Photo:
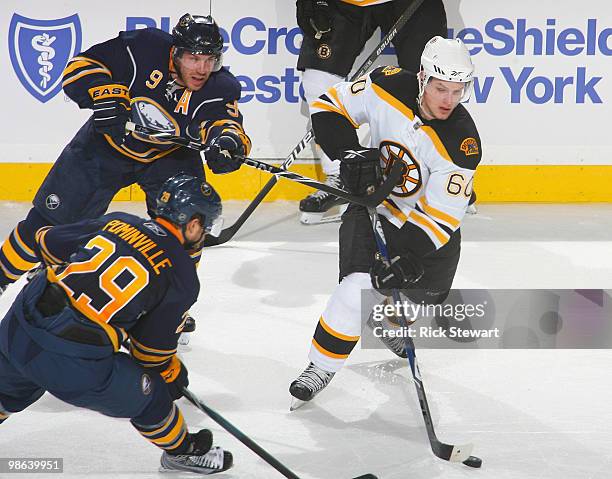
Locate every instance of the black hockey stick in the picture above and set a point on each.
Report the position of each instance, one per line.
(369, 201)
(246, 440)
(444, 451)
(229, 232)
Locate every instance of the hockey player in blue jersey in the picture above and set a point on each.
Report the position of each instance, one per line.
(106, 280)
(174, 83)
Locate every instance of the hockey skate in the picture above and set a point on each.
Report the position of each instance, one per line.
(395, 344)
(471, 209)
(308, 384)
(322, 207)
(201, 458)
(189, 327)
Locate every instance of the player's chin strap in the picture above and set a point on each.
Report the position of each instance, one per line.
(246, 440)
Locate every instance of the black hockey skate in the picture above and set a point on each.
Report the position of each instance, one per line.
(322, 207)
(308, 384)
(201, 458)
(395, 344)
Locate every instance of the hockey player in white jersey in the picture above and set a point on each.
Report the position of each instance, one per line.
(335, 33)
(417, 119)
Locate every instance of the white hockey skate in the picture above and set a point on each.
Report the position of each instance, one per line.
(201, 459)
(308, 384)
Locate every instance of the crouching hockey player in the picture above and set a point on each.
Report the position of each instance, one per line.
(107, 280)
(418, 120)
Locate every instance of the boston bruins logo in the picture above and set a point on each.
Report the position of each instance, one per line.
(412, 180)
(324, 51)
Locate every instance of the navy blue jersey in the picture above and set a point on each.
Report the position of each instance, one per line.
(142, 60)
(127, 274)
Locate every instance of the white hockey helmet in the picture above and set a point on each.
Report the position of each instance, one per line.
(447, 60)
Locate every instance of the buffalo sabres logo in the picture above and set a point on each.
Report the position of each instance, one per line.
(145, 384)
(206, 189)
(40, 49)
(411, 180)
(152, 115)
(52, 201)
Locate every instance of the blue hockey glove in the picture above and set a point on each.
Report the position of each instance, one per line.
(225, 152)
(111, 110)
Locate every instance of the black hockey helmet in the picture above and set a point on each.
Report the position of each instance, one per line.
(200, 35)
(183, 197)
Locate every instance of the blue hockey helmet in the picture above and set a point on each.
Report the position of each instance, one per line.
(200, 35)
(183, 197)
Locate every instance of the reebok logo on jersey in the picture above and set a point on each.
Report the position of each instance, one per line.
(158, 230)
(469, 146)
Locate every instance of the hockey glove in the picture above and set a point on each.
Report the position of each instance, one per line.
(176, 378)
(111, 110)
(314, 16)
(224, 153)
(401, 273)
(360, 169)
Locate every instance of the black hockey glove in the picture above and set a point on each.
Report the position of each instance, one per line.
(314, 17)
(360, 169)
(403, 271)
(176, 378)
(223, 155)
(111, 110)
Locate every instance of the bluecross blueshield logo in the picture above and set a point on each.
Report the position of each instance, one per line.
(39, 51)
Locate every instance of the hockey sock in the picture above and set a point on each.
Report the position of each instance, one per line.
(169, 434)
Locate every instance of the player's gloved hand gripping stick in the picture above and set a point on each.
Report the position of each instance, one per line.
(369, 201)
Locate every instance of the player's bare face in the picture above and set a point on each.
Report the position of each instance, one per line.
(195, 69)
(440, 98)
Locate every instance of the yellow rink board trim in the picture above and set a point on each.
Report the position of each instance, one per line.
(494, 183)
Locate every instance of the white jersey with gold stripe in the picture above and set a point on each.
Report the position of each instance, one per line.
(441, 155)
(365, 3)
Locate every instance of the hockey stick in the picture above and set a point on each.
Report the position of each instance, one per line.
(229, 232)
(246, 440)
(369, 201)
(444, 451)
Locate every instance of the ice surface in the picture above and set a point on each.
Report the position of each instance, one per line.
(530, 414)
